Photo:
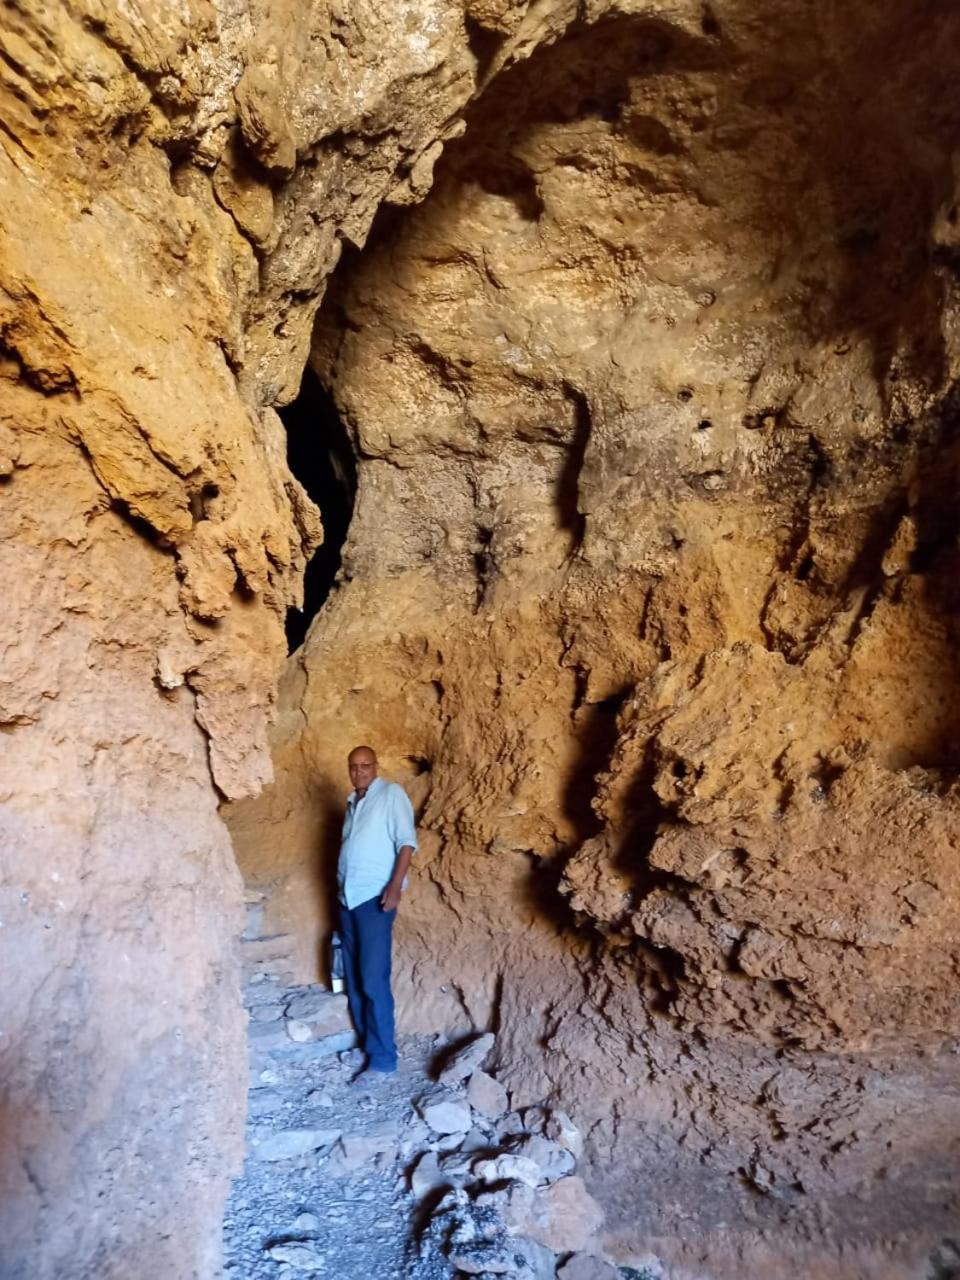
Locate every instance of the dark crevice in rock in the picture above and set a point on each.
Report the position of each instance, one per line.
(484, 45)
(139, 524)
(568, 484)
(320, 455)
(508, 178)
(597, 731)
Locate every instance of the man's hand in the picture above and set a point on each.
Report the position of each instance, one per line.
(390, 899)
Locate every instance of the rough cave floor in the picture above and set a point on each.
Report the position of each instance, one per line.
(314, 1211)
(425, 1176)
(321, 1190)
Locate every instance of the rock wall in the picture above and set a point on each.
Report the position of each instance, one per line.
(177, 183)
(653, 404)
(649, 599)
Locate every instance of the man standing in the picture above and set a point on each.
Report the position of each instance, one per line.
(379, 839)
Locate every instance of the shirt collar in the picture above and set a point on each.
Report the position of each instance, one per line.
(374, 785)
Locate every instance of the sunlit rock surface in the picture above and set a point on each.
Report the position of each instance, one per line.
(648, 595)
(177, 183)
(649, 599)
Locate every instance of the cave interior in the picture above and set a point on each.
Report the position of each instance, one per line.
(562, 399)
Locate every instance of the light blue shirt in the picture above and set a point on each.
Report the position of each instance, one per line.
(375, 829)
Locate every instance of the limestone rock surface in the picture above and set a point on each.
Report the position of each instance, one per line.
(649, 600)
(178, 181)
(649, 596)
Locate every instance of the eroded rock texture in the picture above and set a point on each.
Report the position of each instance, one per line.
(648, 592)
(177, 182)
(650, 598)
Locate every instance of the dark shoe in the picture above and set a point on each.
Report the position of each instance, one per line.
(372, 1076)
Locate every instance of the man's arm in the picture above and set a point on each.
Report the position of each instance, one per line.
(391, 894)
(403, 832)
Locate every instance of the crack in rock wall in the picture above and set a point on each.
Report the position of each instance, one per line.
(649, 599)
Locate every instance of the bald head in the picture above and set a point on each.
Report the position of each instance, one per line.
(362, 764)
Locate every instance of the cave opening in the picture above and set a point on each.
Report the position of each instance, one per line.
(320, 454)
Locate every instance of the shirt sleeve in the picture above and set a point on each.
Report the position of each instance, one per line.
(403, 829)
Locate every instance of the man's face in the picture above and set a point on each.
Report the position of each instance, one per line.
(363, 768)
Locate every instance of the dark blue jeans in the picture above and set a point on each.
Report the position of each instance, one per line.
(367, 936)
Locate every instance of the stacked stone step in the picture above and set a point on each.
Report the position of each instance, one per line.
(286, 1021)
(296, 1024)
(264, 958)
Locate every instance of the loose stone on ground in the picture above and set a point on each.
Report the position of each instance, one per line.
(405, 1178)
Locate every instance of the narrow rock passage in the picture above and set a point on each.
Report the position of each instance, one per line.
(425, 1175)
(322, 1190)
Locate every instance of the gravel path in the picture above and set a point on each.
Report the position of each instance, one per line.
(342, 1208)
(422, 1175)
(326, 1186)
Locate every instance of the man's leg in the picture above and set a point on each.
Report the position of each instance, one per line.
(350, 945)
(375, 928)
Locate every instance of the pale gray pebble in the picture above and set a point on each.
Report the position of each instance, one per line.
(307, 1222)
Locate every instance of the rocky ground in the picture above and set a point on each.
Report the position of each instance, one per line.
(425, 1175)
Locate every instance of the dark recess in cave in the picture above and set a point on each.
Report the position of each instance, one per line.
(320, 455)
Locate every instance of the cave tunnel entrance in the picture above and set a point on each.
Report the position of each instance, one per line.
(320, 455)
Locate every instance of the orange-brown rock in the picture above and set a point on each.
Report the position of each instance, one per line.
(650, 367)
(177, 182)
(649, 600)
